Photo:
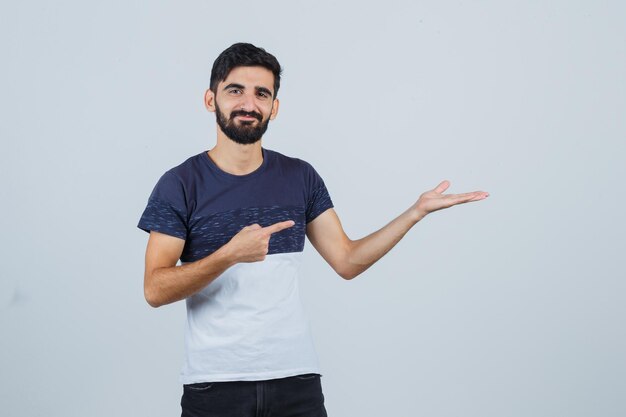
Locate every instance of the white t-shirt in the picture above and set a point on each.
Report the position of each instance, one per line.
(248, 324)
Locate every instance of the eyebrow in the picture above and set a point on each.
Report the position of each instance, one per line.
(234, 85)
(241, 87)
(264, 90)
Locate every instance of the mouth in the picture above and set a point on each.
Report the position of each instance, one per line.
(246, 118)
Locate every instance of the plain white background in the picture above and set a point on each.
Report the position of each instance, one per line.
(512, 306)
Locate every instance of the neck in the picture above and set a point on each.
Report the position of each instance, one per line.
(234, 158)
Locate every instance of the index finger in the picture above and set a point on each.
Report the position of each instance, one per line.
(467, 197)
(277, 227)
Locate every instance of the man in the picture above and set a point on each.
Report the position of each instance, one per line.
(236, 216)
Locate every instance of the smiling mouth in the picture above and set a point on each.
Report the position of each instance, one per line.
(246, 117)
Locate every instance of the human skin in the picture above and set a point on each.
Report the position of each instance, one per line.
(349, 258)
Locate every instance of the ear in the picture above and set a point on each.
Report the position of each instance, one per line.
(209, 100)
(274, 112)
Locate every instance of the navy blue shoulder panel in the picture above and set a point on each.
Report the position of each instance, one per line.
(206, 207)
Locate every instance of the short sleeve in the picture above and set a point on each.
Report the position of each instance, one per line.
(166, 211)
(318, 198)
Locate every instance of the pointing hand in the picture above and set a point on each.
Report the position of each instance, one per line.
(251, 244)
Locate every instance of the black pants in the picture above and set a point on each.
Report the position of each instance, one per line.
(295, 396)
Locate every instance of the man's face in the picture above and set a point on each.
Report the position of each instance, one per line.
(244, 103)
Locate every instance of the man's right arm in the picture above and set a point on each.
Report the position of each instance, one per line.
(165, 283)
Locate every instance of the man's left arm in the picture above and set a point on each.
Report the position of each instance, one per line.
(351, 257)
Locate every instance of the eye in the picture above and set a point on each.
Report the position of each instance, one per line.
(262, 94)
(234, 91)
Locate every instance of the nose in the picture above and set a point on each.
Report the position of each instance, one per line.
(247, 102)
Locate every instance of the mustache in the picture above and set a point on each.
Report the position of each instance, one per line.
(254, 114)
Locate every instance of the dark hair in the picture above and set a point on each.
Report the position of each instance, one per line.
(244, 55)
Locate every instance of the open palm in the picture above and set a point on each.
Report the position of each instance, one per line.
(434, 199)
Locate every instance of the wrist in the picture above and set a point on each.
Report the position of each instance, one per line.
(226, 256)
(416, 214)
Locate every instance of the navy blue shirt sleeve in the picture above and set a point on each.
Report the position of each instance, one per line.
(318, 199)
(166, 211)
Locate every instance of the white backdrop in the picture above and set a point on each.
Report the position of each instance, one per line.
(513, 306)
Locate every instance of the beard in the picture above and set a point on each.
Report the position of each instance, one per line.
(245, 133)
